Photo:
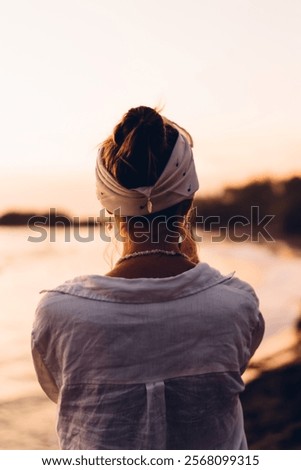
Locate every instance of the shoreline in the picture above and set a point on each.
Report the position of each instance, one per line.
(276, 351)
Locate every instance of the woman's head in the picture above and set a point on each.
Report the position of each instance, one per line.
(146, 176)
(146, 166)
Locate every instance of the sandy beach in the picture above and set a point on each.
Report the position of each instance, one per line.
(28, 423)
(271, 403)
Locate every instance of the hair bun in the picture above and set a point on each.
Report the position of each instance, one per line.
(139, 148)
(149, 117)
(142, 119)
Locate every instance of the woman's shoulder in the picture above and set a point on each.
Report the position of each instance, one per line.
(228, 283)
(242, 288)
(53, 297)
(71, 286)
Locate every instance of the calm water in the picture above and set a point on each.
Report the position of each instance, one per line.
(26, 268)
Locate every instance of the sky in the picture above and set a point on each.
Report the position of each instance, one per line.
(229, 71)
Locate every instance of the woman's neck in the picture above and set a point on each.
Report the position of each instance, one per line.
(131, 246)
(162, 240)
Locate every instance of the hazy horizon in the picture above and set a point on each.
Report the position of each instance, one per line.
(229, 72)
(78, 196)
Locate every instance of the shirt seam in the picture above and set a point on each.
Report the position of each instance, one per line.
(205, 374)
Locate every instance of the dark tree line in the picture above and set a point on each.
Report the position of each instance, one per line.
(47, 219)
(280, 199)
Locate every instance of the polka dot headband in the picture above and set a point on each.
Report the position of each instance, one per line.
(178, 182)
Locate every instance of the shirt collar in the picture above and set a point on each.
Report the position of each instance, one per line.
(143, 290)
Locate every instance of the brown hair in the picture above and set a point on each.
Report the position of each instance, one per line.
(139, 148)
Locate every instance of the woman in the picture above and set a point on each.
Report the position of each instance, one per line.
(149, 356)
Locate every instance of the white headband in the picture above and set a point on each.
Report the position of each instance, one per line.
(178, 182)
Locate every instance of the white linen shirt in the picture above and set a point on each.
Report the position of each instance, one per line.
(147, 363)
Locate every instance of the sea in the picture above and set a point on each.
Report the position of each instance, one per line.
(32, 261)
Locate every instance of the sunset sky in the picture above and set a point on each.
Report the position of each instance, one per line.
(227, 70)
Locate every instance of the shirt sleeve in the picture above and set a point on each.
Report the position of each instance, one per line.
(256, 338)
(45, 378)
(258, 327)
(257, 334)
(254, 321)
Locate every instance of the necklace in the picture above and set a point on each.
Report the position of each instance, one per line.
(151, 252)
